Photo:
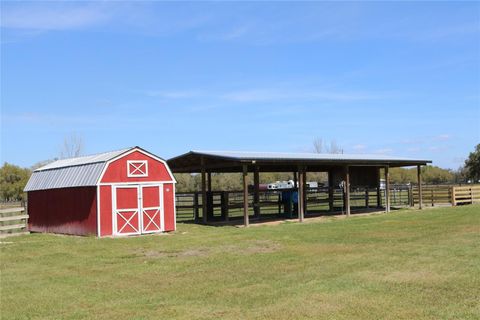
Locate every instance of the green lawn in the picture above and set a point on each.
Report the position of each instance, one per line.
(404, 265)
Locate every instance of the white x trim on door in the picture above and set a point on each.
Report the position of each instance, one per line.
(151, 218)
(127, 221)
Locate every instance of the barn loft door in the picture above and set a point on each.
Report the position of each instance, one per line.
(152, 208)
(126, 210)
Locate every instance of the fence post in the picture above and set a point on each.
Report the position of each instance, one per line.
(410, 195)
(366, 198)
(433, 203)
(454, 200)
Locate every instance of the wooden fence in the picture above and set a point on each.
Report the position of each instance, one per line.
(466, 195)
(447, 195)
(433, 195)
(225, 204)
(13, 221)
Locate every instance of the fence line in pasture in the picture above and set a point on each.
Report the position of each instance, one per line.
(13, 221)
(225, 204)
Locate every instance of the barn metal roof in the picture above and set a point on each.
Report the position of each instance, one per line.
(73, 172)
(232, 161)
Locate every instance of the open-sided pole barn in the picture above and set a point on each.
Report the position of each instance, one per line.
(125, 192)
(349, 169)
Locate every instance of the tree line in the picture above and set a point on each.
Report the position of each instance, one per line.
(14, 178)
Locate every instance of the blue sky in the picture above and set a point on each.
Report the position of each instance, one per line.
(378, 77)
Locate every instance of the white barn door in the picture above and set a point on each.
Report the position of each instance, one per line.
(137, 209)
(126, 210)
(152, 208)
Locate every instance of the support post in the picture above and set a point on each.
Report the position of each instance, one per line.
(245, 196)
(196, 214)
(209, 185)
(387, 189)
(379, 197)
(330, 191)
(204, 192)
(301, 195)
(304, 178)
(280, 206)
(256, 193)
(347, 190)
(209, 196)
(224, 205)
(295, 182)
(420, 191)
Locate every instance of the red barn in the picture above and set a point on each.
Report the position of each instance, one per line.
(125, 192)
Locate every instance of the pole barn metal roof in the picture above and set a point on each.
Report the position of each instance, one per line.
(73, 172)
(232, 161)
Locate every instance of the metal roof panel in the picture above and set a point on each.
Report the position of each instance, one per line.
(242, 155)
(72, 176)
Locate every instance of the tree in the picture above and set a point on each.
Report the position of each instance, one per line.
(320, 147)
(42, 163)
(430, 175)
(460, 175)
(12, 182)
(472, 165)
(72, 146)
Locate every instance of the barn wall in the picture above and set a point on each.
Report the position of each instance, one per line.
(169, 206)
(117, 170)
(106, 211)
(364, 176)
(359, 176)
(66, 210)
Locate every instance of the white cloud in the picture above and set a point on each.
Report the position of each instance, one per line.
(267, 94)
(256, 95)
(53, 17)
(246, 23)
(443, 137)
(437, 148)
(383, 151)
(359, 147)
(179, 94)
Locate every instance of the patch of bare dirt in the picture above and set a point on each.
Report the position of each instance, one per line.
(253, 247)
(408, 276)
(153, 254)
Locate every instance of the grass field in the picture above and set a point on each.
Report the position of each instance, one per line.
(404, 265)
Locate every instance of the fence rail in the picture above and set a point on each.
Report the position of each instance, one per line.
(13, 221)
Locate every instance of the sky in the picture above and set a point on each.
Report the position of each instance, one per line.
(391, 78)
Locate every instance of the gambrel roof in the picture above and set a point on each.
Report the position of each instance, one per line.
(83, 171)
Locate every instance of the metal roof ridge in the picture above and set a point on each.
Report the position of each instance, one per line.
(83, 157)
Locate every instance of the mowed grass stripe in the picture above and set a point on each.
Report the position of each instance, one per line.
(404, 265)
